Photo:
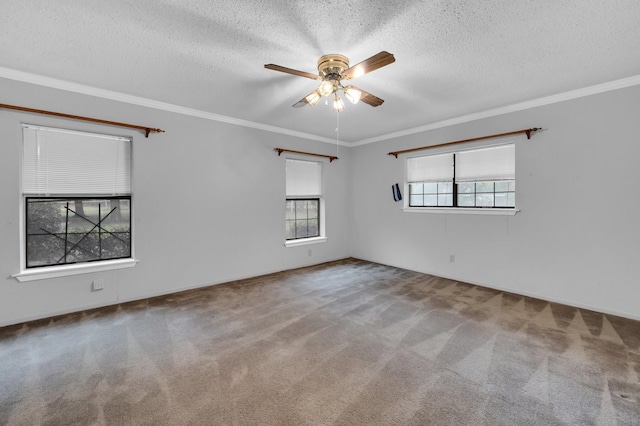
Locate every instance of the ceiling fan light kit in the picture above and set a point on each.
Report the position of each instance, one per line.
(353, 94)
(332, 70)
(312, 99)
(327, 87)
(338, 105)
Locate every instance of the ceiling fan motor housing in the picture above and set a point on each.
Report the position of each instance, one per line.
(332, 66)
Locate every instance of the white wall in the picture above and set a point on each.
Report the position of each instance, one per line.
(209, 201)
(576, 239)
(208, 204)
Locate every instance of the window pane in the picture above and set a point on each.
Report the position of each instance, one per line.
(503, 199)
(301, 228)
(445, 199)
(302, 218)
(301, 209)
(312, 228)
(64, 230)
(484, 200)
(312, 208)
(416, 188)
(430, 200)
(430, 188)
(290, 210)
(484, 186)
(44, 250)
(469, 193)
(466, 200)
(466, 188)
(290, 229)
(445, 188)
(505, 186)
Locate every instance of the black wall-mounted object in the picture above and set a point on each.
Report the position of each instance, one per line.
(397, 195)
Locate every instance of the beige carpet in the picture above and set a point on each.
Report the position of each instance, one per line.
(346, 343)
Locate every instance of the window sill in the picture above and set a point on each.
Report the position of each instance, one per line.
(76, 269)
(305, 241)
(461, 210)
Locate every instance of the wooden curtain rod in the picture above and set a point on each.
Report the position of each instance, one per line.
(499, 135)
(146, 129)
(330, 157)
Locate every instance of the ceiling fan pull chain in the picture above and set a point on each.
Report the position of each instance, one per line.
(337, 134)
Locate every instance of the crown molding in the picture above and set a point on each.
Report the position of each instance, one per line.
(548, 100)
(149, 103)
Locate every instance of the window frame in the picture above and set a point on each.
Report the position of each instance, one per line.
(455, 209)
(95, 226)
(54, 271)
(321, 237)
(493, 192)
(317, 217)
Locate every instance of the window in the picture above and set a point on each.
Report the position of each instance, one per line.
(478, 178)
(303, 199)
(303, 218)
(77, 197)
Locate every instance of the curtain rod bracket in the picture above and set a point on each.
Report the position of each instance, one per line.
(149, 130)
(529, 131)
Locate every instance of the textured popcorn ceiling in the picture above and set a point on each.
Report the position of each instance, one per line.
(452, 57)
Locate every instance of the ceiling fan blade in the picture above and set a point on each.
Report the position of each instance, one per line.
(370, 99)
(302, 102)
(373, 63)
(292, 71)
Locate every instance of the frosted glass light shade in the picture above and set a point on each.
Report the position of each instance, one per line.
(326, 88)
(338, 105)
(313, 98)
(352, 94)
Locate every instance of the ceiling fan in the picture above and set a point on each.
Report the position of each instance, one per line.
(333, 69)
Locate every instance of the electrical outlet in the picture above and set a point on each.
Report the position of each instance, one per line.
(97, 285)
(452, 258)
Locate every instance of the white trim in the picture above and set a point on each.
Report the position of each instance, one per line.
(135, 100)
(305, 241)
(517, 291)
(560, 97)
(75, 269)
(461, 210)
(142, 296)
(150, 103)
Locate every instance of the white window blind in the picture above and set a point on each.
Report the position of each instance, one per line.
(64, 162)
(430, 168)
(495, 163)
(304, 178)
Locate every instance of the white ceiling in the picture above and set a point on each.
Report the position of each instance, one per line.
(453, 58)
